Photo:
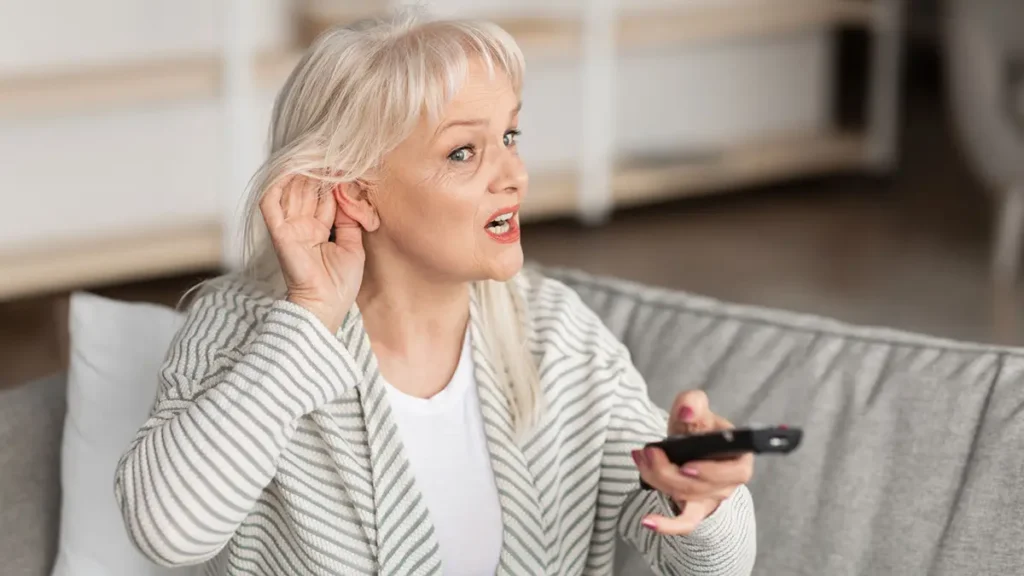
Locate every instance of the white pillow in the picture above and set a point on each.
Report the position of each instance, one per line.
(116, 349)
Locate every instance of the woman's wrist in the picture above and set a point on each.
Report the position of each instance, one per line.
(708, 507)
(329, 318)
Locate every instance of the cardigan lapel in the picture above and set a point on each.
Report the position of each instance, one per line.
(406, 542)
(524, 543)
(340, 426)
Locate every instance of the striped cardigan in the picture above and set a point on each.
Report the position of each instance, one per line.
(271, 449)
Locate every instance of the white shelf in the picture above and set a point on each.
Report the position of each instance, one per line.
(126, 85)
(84, 263)
(751, 18)
(683, 25)
(644, 181)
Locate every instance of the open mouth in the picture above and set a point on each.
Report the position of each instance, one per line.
(502, 224)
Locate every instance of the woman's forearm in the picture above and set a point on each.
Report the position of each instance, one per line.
(197, 466)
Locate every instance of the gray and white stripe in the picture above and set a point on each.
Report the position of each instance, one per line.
(271, 449)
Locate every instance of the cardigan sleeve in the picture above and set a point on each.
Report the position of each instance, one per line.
(238, 376)
(724, 544)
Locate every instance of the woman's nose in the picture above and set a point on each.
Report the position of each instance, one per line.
(511, 175)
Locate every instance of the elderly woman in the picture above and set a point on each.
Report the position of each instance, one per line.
(383, 390)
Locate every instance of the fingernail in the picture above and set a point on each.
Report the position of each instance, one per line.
(783, 427)
(649, 524)
(647, 455)
(638, 457)
(686, 413)
(689, 471)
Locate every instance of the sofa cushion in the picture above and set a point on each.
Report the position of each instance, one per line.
(116, 352)
(911, 459)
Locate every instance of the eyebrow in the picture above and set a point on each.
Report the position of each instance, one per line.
(473, 121)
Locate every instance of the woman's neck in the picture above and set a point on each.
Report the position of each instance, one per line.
(408, 314)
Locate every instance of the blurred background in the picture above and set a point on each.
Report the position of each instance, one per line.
(859, 159)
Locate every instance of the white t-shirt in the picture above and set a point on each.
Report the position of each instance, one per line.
(447, 449)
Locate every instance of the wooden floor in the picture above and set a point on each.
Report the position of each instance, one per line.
(907, 250)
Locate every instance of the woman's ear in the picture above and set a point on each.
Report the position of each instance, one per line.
(354, 201)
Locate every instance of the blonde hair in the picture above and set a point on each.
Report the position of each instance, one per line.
(356, 94)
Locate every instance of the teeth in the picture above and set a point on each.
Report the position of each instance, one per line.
(501, 224)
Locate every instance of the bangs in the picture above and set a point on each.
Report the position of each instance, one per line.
(433, 62)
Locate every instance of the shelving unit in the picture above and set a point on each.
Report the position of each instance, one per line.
(631, 179)
(102, 88)
(645, 180)
(142, 83)
(55, 267)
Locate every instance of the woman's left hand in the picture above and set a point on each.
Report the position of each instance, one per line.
(697, 488)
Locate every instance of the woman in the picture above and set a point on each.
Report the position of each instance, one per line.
(385, 391)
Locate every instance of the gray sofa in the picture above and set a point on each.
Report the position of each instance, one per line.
(911, 461)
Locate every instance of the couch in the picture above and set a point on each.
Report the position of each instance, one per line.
(911, 461)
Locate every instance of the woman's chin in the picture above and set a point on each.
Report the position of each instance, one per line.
(507, 264)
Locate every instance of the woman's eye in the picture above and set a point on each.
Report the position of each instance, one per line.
(510, 137)
(461, 155)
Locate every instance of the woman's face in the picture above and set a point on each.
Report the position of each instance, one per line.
(448, 197)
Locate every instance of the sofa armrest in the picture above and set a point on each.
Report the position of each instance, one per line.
(31, 429)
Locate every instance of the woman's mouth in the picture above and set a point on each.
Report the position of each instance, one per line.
(504, 225)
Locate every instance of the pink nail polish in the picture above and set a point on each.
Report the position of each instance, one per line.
(637, 457)
(686, 413)
(649, 524)
(689, 471)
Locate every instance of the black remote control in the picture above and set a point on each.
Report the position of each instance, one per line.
(724, 444)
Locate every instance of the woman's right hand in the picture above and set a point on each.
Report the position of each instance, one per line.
(321, 276)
